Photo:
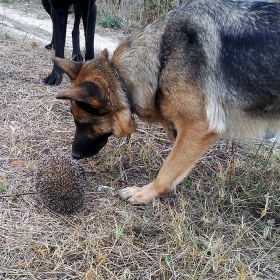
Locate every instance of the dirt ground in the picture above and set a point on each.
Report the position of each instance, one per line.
(222, 222)
(32, 22)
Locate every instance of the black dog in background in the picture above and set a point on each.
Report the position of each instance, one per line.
(58, 10)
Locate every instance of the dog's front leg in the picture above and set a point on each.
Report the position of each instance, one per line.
(59, 19)
(191, 142)
(76, 54)
(46, 4)
(89, 21)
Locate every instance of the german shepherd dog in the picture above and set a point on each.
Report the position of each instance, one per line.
(208, 69)
(58, 10)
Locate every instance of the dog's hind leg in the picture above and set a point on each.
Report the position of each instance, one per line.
(191, 142)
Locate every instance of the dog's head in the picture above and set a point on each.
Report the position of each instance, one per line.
(98, 104)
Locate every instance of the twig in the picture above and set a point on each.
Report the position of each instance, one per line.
(28, 193)
(17, 194)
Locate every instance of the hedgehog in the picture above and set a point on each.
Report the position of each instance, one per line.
(60, 182)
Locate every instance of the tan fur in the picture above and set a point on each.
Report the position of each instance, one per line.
(123, 124)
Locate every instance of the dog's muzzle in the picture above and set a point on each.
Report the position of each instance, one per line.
(84, 147)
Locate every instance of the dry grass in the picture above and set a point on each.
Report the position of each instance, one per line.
(222, 223)
(136, 13)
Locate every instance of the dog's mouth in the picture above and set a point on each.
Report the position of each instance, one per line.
(86, 147)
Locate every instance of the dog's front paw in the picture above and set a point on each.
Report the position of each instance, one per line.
(54, 79)
(138, 195)
(50, 46)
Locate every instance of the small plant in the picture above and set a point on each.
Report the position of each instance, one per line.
(110, 21)
(3, 187)
(71, 9)
(168, 261)
(119, 232)
(187, 183)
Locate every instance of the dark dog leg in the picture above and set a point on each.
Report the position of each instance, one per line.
(59, 19)
(76, 54)
(89, 20)
(59, 13)
(47, 6)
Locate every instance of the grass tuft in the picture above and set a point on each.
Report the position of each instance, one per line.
(110, 21)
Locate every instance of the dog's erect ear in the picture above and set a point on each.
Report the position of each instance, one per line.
(70, 67)
(104, 54)
(88, 92)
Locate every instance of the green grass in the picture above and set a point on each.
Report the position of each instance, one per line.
(132, 14)
(110, 21)
(3, 187)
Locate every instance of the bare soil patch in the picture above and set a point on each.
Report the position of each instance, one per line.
(222, 222)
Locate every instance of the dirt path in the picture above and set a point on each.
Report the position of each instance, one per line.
(37, 26)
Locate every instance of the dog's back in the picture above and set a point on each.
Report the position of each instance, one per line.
(236, 57)
(229, 50)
